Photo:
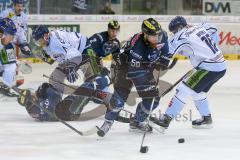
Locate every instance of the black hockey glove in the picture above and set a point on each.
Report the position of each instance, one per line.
(120, 58)
(46, 58)
(71, 70)
(25, 49)
(105, 71)
(162, 63)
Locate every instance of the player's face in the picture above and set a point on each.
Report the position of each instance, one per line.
(18, 8)
(113, 33)
(42, 42)
(174, 31)
(6, 39)
(153, 39)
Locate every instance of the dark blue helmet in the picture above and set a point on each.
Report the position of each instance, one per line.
(39, 31)
(176, 22)
(114, 24)
(7, 26)
(18, 1)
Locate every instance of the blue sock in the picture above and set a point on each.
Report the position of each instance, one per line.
(203, 107)
(175, 106)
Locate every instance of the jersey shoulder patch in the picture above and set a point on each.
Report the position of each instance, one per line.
(135, 38)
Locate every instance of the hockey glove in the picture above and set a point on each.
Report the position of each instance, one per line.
(72, 74)
(162, 63)
(105, 71)
(25, 49)
(46, 58)
(120, 58)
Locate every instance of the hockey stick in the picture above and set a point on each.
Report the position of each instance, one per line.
(71, 87)
(85, 133)
(173, 63)
(144, 149)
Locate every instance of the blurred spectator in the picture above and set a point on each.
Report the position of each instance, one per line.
(79, 6)
(107, 9)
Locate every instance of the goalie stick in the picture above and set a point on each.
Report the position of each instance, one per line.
(82, 133)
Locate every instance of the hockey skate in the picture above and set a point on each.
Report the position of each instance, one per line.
(203, 123)
(104, 128)
(5, 91)
(163, 122)
(139, 127)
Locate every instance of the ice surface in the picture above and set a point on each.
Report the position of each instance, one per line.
(22, 138)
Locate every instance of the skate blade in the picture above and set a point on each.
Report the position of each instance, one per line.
(204, 126)
(159, 129)
(137, 131)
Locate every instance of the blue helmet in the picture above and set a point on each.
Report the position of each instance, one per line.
(18, 1)
(7, 26)
(39, 31)
(176, 22)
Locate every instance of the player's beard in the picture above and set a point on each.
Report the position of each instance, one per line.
(152, 45)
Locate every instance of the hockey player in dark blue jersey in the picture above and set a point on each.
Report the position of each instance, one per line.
(104, 44)
(143, 53)
(45, 98)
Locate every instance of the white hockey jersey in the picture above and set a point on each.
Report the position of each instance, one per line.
(8, 71)
(65, 45)
(198, 43)
(21, 23)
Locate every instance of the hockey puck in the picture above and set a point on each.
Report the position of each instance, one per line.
(144, 149)
(181, 140)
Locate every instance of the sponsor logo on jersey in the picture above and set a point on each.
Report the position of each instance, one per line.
(136, 55)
